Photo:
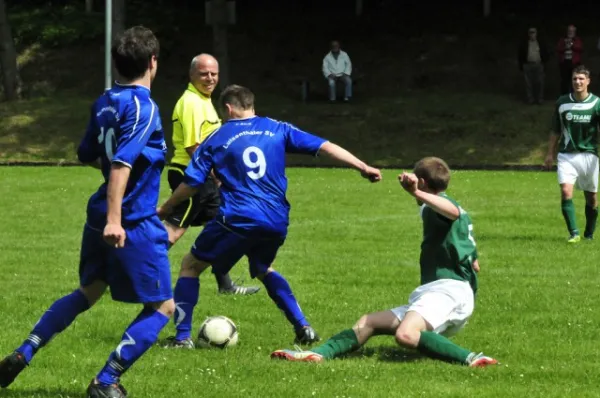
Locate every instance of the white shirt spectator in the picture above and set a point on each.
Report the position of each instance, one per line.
(337, 66)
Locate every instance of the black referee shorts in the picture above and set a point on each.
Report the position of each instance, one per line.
(197, 210)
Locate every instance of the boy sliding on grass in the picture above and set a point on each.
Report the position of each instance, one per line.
(444, 302)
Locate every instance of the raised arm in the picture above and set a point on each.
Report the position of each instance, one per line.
(439, 204)
(339, 154)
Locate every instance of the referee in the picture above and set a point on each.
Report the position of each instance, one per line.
(194, 119)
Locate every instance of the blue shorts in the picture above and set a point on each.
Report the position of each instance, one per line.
(137, 273)
(223, 246)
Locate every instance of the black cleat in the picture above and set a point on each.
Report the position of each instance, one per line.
(10, 367)
(172, 342)
(306, 336)
(96, 390)
(239, 290)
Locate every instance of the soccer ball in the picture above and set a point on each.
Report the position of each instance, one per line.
(217, 332)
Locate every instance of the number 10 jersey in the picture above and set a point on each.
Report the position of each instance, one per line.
(125, 127)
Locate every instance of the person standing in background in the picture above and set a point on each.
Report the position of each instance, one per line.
(533, 55)
(569, 50)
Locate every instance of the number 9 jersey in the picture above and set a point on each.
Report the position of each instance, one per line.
(125, 127)
(248, 157)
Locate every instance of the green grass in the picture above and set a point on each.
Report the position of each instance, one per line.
(466, 130)
(352, 248)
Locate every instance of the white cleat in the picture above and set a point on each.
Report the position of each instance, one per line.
(297, 356)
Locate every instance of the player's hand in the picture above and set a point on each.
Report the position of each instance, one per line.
(371, 173)
(114, 235)
(409, 182)
(548, 162)
(476, 266)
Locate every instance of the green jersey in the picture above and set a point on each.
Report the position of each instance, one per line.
(577, 123)
(448, 249)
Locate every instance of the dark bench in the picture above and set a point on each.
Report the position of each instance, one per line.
(304, 82)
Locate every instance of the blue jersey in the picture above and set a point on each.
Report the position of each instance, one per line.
(248, 157)
(125, 127)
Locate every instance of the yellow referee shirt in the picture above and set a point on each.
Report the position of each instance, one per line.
(194, 118)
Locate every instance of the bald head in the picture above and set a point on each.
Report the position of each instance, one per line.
(204, 73)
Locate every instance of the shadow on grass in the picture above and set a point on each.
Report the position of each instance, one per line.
(557, 239)
(387, 354)
(70, 392)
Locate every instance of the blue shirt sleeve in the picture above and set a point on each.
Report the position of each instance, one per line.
(298, 141)
(200, 166)
(88, 148)
(137, 125)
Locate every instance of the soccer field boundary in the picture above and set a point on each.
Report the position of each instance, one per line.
(484, 167)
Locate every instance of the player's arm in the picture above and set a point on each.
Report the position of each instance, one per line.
(137, 125)
(553, 140)
(341, 155)
(117, 183)
(191, 149)
(87, 152)
(348, 68)
(298, 141)
(195, 175)
(439, 204)
(191, 119)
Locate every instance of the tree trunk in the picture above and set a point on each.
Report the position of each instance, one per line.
(358, 8)
(89, 6)
(8, 58)
(220, 21)
(487, 8)
(118, 26)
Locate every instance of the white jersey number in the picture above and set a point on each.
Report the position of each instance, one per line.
(471, 238)
(259, 166)
(108, 139)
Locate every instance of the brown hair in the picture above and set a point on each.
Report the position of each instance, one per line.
(581, 70)
(237, 96)
(435, 172)
(133, 50)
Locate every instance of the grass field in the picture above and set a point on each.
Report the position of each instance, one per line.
(466, 129)
(352, 248)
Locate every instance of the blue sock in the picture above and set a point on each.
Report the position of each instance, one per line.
(56, 319)
(281, 293)
(187, 292)
(139, 336)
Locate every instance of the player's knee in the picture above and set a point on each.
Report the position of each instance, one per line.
(566, 192)
(362, 323)
(591, 199)
(93, 292)
(192, 267)
(261, 276)
(408, 337)
(166, 308)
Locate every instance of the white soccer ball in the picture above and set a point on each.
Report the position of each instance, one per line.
(217, 332)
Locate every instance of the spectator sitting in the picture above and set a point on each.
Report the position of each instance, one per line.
(338, 67)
